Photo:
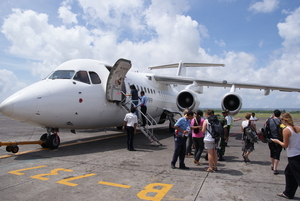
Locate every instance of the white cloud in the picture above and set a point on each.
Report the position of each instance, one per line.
(148, 35)
(33, 38)
(265, 6)
(9, 83)
(220, 43)
(290, 31)
(66, 15)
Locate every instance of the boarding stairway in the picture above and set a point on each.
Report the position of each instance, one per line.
(147, 130)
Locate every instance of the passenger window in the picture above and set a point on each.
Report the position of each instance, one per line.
(82, 76)
(62, 74)
(95, 78)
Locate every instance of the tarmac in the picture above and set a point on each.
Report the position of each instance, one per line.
(95, 165)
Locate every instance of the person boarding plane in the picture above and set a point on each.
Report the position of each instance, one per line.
(89, 94)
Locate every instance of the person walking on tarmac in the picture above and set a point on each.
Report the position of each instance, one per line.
(248, 146)
(291, 141)
(183, 127)
(143, 105)
(197, 136)
(275, 149)
(222, 146)
(130, 122)
(230, 121)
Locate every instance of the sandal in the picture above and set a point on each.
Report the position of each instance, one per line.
(209, 170)
(216, 169)
(196, 162)
(282, 195)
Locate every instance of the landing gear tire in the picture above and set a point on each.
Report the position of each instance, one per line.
(53, 141)
(8, 148)
(44, 139)
(15, 149)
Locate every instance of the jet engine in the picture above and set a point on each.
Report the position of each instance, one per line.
(187, 99)
(232, 102)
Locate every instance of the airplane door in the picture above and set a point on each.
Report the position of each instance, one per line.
(116, 80)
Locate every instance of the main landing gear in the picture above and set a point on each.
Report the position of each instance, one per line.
(48, 140)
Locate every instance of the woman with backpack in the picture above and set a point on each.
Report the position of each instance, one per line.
(210, 144)
(291, 141)
(248, 146)
(197, 135)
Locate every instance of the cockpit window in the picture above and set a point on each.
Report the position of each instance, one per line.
(62, 74)
(95, 78)
(82, 76)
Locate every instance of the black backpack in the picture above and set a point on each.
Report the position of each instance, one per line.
(279, 131)
(265, 131)
(217, 129)
(250, 133)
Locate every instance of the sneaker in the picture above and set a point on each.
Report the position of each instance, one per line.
(173, 166)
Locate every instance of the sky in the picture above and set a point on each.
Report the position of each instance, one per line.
(257, 40)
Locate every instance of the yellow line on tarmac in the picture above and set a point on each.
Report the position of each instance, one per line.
(113, 184)
(64, 145)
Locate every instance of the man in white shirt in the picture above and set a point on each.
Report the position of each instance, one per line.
(130, 122)
(254, 119)
(230, 121)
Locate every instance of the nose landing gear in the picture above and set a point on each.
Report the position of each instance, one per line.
(50, 140)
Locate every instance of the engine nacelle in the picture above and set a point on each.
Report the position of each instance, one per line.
(232, 102)
(187, 99)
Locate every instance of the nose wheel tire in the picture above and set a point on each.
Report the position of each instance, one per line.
(53, 141)
(44, 139)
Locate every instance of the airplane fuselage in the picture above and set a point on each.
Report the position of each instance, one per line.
(68, 103)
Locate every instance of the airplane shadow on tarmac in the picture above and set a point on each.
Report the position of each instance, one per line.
(100, 144)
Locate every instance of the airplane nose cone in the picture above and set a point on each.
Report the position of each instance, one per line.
(20, 106)
(7, 108)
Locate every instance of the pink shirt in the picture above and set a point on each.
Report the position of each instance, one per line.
(199, 134)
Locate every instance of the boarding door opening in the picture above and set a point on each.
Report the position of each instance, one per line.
(115, 80)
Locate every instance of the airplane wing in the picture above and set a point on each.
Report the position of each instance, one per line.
(181, 80)
(186, 65)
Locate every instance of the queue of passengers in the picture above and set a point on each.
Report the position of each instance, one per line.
(197, 129)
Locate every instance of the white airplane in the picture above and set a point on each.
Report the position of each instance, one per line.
(88, 94)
